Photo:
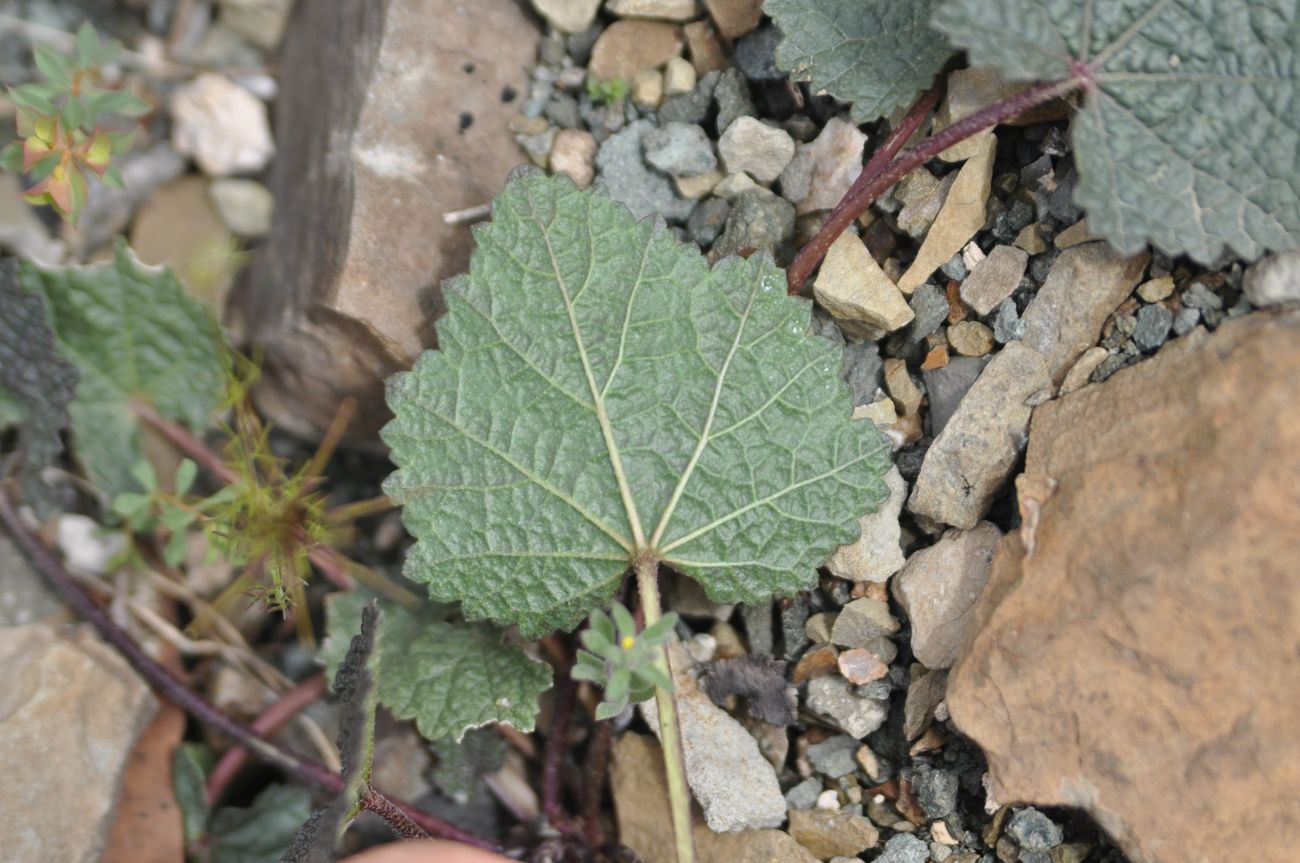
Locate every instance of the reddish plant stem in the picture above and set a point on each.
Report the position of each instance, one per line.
(283, 709)
(557, 744)
(602, 735)
(868, 187)
(175, 690)
(811, 254)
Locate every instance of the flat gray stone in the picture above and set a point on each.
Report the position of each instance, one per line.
(971, 459)
(1084, 287)
(939, 588)
(680, 149)
(994, 279)
(619, 165)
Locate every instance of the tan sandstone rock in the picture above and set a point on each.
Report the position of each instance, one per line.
(1142, 663)
(345, 289)
(71, 709)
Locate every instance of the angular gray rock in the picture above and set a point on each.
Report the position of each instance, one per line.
(72, 711)
(619, 165)
(852, 708)
(947, 386)
(862, 621)
(994, 278)
(939, 588)
(1085, 285)
(971, 459)
(680, 149)
(734, 784)
(759, 220)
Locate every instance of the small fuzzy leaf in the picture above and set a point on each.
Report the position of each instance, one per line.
(452, 676)
(87, 45)
(52, 64)
(132, 333)
(28, 96)
(598, 388)
(262, 832)
(1189, 138)
(34, 376)
(877, 54)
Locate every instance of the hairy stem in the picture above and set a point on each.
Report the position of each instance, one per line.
(870, 186)
(679, 796)
(165, 683)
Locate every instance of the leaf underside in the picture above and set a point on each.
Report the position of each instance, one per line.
(451, 676)
(36, 383)
(1190, 138)
(600, 391)
(132, 332)
(877, 54)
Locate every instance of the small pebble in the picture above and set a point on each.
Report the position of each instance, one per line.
(1034, 831)
(861, 666)
(760, 150)
(970, 338)
(1153, 325)
(1186, 320)
(1156, 289)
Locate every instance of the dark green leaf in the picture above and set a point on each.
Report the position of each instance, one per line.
(1189, 137)
(133, 334)
(877, 54)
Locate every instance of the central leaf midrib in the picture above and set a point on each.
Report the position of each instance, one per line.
(597, 396)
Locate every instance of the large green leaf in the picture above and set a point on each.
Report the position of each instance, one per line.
(447, 676)
(132, 333)
(1190, 137)
(41, 381)
(877, 54)
(600, 393)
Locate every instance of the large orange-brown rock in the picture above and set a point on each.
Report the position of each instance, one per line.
(1143, 662)
(390, 115)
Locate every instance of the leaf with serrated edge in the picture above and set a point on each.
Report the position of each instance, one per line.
(600, 392)
(132, 333)
(36, 374)
(877, 54)
(452, 676)
(1189, 138)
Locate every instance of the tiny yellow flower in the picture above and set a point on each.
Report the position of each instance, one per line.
(627, 642)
